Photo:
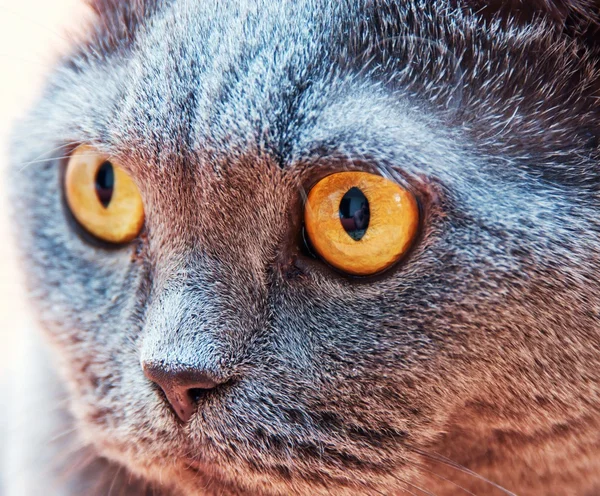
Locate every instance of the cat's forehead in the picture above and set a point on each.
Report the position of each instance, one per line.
(222, 81)
(210, 72)
(217, 83)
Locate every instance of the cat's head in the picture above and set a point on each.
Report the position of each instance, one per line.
(225, 115)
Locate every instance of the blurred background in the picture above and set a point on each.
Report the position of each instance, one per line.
(33, 33)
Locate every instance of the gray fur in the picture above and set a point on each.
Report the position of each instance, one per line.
(482, 345)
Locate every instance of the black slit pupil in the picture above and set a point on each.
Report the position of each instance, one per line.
(105, 183)
(354, 213)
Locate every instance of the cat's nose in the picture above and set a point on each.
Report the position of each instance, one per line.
(182, 386)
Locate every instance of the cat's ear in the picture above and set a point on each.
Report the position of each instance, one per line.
(578, 18)
(117, 21)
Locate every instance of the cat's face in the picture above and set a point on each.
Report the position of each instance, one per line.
(225, 115)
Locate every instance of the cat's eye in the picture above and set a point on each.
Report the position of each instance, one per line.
(360, 223)
(103, 197)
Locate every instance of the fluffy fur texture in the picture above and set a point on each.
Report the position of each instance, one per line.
(481, 348)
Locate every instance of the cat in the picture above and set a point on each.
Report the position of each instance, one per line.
(220, 351)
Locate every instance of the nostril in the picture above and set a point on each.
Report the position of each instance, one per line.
(196, 394)
(182, 386)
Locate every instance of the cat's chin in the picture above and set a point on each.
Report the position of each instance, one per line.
(186, 476)
(191, 476)
(163, 471)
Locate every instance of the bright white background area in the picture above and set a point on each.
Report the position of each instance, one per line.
(32, 34)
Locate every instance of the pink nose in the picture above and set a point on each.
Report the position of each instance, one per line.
(183, 386)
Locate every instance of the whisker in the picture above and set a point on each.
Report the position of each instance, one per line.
(27, 164)
(49, 152)
(61, 435)
(59, 147)
(60, 402)
(84, 459)
(414, 486)
(371, 488)
(424, 468)
(112, 484)
(408, 491)
(418, 488)
(450, 463)
(99, 487)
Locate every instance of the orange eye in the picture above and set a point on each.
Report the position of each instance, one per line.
(102, 197)
(360, 223)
